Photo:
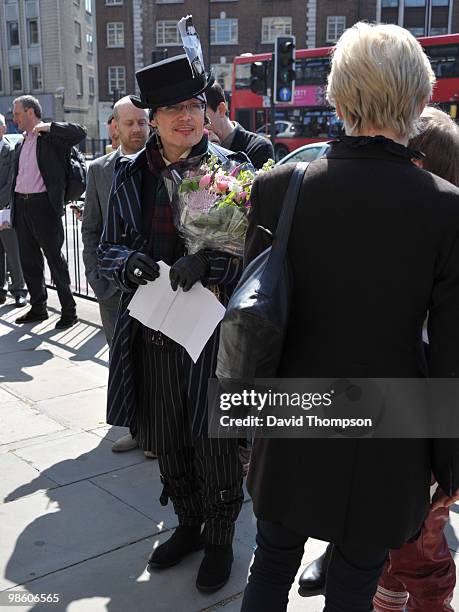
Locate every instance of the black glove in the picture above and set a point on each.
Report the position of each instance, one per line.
(140, 268)
(189, 269)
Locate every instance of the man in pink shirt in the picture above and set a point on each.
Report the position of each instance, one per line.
(39, 185)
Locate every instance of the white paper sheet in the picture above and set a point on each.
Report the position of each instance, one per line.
(5, 218)
(188, 318)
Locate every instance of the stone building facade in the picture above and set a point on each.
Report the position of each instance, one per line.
(48, 49)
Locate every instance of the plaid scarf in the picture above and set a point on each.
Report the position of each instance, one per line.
(164, 243)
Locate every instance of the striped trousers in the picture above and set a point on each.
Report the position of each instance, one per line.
(201, 476)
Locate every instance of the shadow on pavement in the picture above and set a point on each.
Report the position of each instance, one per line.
(80, 523)
(85, 341)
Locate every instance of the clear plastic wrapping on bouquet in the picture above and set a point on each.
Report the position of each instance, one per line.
(210, 204)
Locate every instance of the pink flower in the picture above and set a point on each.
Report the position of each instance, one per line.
(223, 183)
(205, 181)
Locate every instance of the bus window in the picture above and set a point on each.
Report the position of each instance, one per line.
(260, 118)
(242, 76)
(444, 60)
(312, 70)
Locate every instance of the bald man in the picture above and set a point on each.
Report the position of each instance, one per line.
(131, 123)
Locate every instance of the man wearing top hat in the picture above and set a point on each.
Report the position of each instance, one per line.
(154, 388)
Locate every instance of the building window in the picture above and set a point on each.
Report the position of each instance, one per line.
(89, 43)
(389, 4)
(79, 77)
(36, 82)
(335, 27)
(115, 34)
(77, 35)
(113, 2)
(417, 31)
(88, 6)
(13, 34)
(275, 26)
(16, 78)
(167, 33)
(91, 86)
(223, 31)
(440, 2)
(116, 79)
(438, 31)
(32, 32)
(170, 1)
(410, 3)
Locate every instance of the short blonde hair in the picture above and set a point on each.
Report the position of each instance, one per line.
(380, 76)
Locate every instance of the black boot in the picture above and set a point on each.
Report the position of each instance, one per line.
(315, 574)
(183, 541)
(215, 568)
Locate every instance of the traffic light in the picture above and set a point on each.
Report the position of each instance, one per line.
(259, 78)
(284, 69)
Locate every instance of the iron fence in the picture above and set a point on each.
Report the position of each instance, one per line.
(94, 147)
(73, 251)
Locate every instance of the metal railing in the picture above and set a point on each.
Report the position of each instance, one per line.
(73, 251)
(93, 147)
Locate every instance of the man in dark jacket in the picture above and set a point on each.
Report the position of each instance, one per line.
(154, 387)
(233, 136)
(39, 185)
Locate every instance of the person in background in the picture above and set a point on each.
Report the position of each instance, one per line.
(39, 184)
(232, 135)
(9, 249)
(388, 237)
(113, 135)
(422, 574)
(131, 124)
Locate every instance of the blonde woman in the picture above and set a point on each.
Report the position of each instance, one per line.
(373, 248)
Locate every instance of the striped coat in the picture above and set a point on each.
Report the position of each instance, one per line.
(123, 234)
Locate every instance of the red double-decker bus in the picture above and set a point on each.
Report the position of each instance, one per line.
(309, 118)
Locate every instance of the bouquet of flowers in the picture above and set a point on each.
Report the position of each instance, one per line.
(212, 204)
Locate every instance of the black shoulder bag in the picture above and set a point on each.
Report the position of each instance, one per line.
(253, 328)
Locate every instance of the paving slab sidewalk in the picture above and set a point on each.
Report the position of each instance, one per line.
(76, 519)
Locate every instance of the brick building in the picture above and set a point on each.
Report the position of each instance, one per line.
(47, 49)
(421, 17)
(236, 27)
(119, 51)
(131, 33)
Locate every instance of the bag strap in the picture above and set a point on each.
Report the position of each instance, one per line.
(279, 247)
(288, 207)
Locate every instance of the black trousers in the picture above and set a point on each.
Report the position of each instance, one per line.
(205, 487)
(352, 576)
(201, 476)
(40, 232)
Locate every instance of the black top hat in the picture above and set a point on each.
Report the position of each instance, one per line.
(169, 81)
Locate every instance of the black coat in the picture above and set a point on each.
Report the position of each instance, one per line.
(257, 148)
(373, 247)
(53, 149)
